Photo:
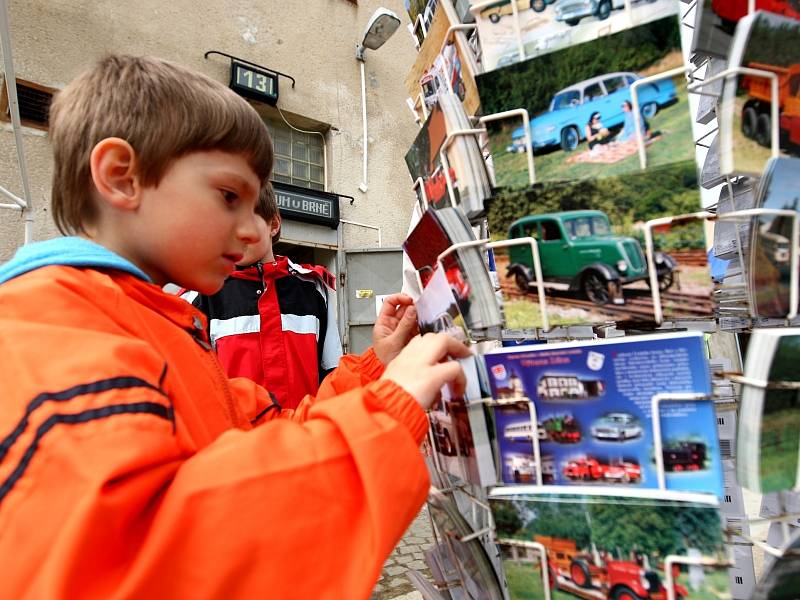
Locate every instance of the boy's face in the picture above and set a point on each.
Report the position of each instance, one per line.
(194, 226)
(262, 249)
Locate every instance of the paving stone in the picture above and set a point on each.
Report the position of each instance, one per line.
(394, 571)
(417, 565)
(396, 583)
(404, 560)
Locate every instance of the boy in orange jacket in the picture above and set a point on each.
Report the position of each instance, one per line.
(130, 466)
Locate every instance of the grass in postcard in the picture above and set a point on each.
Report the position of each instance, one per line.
(676, 145)
(780, 438)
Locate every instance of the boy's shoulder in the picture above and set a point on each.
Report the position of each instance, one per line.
(313, 272)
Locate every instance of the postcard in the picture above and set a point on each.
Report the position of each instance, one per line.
(469, 184)
(716, 20)
(591, 246)
(770, 240)
(465, 269)
(469, 559)
(440, 67)
(550, 25)
(580, 104)
(594, 421)
(437, 309)
(765, 42)
(459, 432)
(769, 418)
(602, 546)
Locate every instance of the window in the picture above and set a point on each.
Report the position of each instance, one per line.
(298, 156)
(550, 231)
(34, 104)
(566, 99)
(614, 83)
(592, 91)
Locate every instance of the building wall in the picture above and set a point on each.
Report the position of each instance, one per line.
(314, 41)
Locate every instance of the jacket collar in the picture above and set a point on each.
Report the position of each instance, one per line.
(66, 251)
(82, 253)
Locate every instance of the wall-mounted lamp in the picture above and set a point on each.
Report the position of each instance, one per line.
(380, 28)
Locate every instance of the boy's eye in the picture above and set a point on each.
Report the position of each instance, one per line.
(229, 196)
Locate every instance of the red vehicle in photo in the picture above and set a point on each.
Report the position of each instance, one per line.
(599, 576)
(684, 456)
(589, 468)
(730, 11)
(756, 117)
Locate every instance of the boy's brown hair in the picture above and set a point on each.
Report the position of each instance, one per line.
(267, 207)
(163, 110)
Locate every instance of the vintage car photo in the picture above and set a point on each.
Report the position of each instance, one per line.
(582, 105)
(616, 426)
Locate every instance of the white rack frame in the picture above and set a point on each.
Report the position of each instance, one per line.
(485, 244)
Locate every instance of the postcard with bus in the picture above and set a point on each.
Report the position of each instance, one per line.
(594, 423)
(594, 546)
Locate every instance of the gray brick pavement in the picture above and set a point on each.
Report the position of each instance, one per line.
(408, 555)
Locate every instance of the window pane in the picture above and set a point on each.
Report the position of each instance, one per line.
(282, 166)
(316, 174)
(613, 84)
(300, 170)
(300, 182)
(592, 91)
(315, 141)
(282, 147)
(281, 178)
(315, 156)
(317, 186)
(299, 151)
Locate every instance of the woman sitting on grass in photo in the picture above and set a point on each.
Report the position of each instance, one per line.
(596, 133)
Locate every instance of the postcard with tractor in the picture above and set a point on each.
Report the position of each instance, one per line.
(594, 421)
(601, 547)
(592, 107)
(591, 243)
(767, 44)
(550, 25)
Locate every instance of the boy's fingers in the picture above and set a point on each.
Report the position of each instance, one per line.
(392, 305)
(437, 346)
(408, 323)
(398, 299)
(452, 374)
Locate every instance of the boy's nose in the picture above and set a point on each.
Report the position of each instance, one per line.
(247, 230)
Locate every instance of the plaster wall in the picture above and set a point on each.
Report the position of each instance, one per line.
(314, 41)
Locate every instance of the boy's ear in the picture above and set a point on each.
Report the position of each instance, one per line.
(275, 226)
(115, 173)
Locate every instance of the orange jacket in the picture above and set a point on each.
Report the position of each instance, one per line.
(129, 466)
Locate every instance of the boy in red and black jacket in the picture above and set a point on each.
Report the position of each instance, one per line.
(274, 321)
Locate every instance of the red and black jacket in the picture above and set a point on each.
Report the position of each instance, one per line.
(273, 323)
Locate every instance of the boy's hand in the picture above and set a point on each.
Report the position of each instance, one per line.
(421, 368)
(395, 326)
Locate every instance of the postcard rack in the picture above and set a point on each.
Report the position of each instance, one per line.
(794, 260)
(774, 95)
(471, 62)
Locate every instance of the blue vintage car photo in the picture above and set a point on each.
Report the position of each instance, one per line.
(571, 108)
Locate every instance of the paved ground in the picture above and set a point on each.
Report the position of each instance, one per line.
(393, 584)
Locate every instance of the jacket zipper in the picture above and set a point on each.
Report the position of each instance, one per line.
(198, 335)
